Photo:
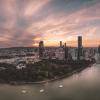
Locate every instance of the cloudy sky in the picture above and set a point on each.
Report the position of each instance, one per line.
(26, 22)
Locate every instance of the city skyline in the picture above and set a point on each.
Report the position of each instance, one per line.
(27, 22)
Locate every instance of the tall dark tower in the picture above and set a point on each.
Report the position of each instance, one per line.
(99, 49)
(60, 43)
(66, 52)
(79, 48)
(41, 49)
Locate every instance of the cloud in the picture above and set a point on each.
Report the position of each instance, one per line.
(26, 22)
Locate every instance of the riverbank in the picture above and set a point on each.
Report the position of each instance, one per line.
(84, 84)
(42, 72)
(46, 81)
(51, 80)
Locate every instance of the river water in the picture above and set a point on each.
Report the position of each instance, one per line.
(80, 86)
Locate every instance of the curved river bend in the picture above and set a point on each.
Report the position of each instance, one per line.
(81, 86)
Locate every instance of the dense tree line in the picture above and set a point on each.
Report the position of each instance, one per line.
(39, 71)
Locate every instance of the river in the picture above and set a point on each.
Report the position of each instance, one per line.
(80, 86)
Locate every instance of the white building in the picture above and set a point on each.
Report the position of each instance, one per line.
(60, 54)
(97, 57)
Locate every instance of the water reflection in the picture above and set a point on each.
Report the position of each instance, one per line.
(81, 86)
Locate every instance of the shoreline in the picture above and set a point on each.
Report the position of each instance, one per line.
(49, 80)
(28, 75)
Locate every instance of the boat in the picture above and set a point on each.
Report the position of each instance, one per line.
(60, 86)
(23, 91)
(42, 90)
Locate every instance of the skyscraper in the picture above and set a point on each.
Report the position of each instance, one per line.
(79, 55)
(66, 52)
(99, 49)
(60, 43)
(41, 49)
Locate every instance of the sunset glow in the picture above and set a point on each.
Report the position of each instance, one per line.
(26, 22)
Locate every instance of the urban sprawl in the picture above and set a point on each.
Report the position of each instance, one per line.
(20, 56)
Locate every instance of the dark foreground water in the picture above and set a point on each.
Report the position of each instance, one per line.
(81, 86)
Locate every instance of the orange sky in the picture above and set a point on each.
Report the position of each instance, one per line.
(26, 22)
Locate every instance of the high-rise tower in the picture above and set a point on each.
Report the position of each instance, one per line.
(99, 49)
(66, 52)
(60, 43)
(79, 55)
(41, 49)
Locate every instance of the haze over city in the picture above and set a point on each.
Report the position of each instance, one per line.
(49, 49)
(26, 22)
